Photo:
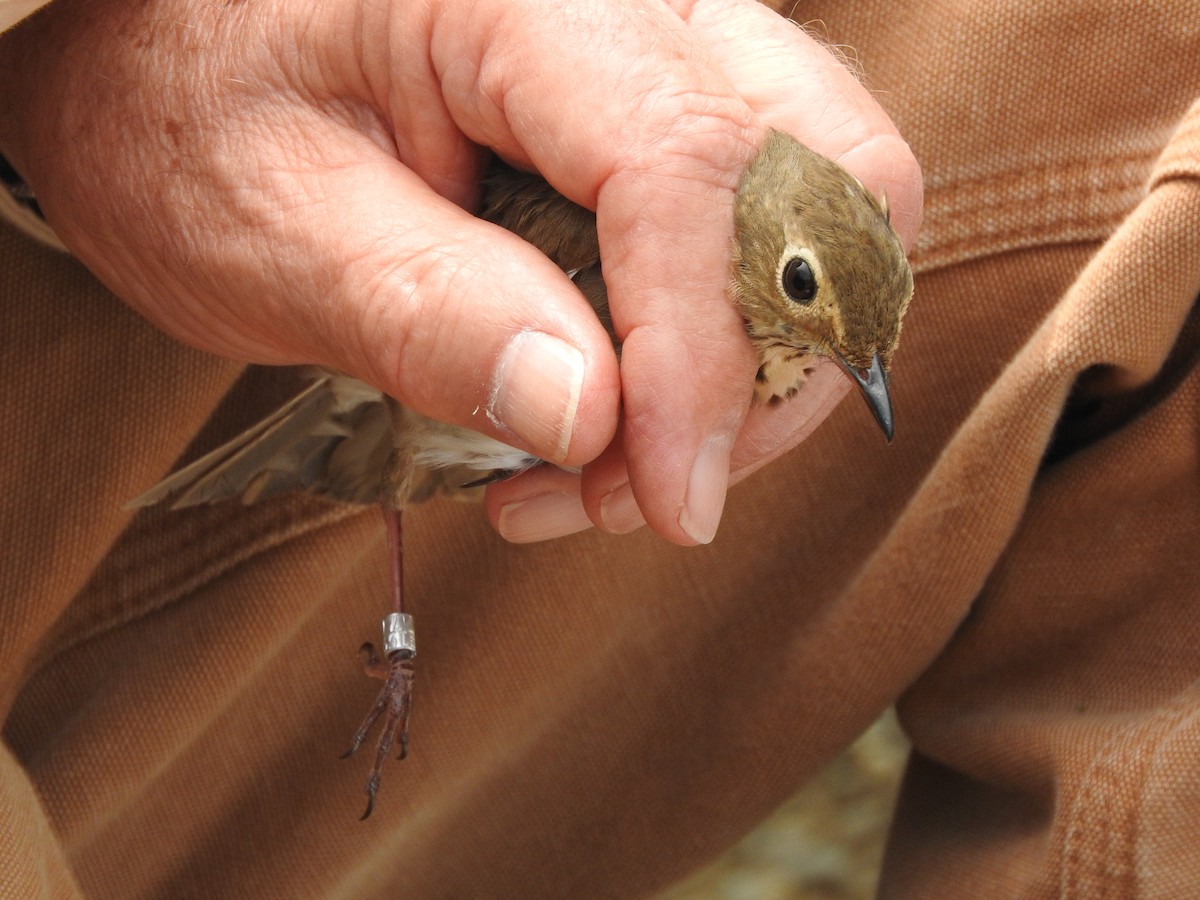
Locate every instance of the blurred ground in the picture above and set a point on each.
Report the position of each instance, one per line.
(826, 843)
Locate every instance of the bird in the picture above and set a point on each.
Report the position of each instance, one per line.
(816, 271)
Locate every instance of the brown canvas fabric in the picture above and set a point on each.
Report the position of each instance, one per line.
(1020, 569)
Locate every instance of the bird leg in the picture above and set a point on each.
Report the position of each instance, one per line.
(394, 669)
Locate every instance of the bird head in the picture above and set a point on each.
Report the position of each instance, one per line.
(818, 272)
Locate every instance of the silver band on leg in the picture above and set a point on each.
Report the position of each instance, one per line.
(398, 634)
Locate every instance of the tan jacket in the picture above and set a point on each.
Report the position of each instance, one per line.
(1020, 570)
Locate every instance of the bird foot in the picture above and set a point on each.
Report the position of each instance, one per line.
(395, 670)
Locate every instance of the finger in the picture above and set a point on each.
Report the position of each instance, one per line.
(795, 83)
(454, 317)
(541, 504)
(548, 503)
(344, 258)
(769, 433)
(607, 492)
(654, 138)
(279, 227)
(785, 74)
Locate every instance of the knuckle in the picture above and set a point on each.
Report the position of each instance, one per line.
(406, 319)
(687, 130)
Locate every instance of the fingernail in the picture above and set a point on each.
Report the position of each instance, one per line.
(536, 392)
(542, 517)
(701, 513)
(619, 511)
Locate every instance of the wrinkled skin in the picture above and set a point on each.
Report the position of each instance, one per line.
(291, 183)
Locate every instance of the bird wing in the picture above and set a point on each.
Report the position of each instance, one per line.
(332, 438)
(526, 205)
(336, 436)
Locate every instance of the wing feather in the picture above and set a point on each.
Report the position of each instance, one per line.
(331, 438)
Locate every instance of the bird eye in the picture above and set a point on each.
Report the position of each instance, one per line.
(799, 282)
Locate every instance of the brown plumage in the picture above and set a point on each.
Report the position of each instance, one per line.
(816, 271)
(840, 284)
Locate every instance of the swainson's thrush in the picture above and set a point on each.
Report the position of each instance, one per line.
(816, 272)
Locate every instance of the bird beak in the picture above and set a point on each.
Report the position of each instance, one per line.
(873, 383)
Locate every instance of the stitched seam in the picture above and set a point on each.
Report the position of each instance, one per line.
(1105, 193)
(245, 534)
(989, 243)
(1141, 159)
(1119, 770)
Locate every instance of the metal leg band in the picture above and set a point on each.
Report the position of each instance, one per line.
(398, 634)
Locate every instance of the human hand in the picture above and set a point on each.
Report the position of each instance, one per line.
(289, 183)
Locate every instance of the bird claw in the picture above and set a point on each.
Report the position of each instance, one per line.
(395, 698)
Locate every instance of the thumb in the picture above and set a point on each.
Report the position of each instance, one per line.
(451, 315)
(261, 213)
(254, 219)
(353, 262)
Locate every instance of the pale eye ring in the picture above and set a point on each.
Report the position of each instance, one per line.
(798, 280)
